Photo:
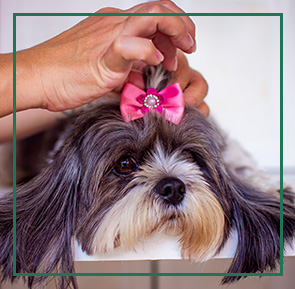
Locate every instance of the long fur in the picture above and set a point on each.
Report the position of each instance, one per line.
(80, 196)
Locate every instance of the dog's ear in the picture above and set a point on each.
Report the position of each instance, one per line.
(46, 209)
(256, 217)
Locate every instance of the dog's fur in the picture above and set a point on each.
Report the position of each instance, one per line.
(82, 194)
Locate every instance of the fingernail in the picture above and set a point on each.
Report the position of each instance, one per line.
(159, 55)
(191, 40)
(174, 64)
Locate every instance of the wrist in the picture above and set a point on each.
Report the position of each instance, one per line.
(28, 88)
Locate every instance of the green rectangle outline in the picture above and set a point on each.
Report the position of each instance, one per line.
(148, 274)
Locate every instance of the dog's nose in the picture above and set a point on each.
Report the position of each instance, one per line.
(171, 189)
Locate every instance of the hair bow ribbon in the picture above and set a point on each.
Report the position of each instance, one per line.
(135, 103)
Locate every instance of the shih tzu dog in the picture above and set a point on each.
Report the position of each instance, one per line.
(120, 173)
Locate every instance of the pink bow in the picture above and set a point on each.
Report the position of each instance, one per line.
(136, 102)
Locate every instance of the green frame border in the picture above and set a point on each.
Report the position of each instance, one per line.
(148, 14)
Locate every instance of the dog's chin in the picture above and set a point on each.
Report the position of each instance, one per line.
(198, 222)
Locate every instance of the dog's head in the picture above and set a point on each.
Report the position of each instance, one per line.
(149, 175)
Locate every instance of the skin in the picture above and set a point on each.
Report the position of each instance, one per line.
(97, 56)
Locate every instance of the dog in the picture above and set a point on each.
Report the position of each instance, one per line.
(111, 182)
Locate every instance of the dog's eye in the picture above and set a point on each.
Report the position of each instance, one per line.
(196, 158)
(125, 166)
(189, 155)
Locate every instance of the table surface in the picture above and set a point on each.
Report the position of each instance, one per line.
(160, 247)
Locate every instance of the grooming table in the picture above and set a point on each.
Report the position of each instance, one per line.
(159, 247)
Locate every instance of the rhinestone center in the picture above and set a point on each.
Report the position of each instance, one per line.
(151, 101)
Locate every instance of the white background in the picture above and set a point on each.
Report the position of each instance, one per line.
(238, 56)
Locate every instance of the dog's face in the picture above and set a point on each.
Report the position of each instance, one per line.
(149, 175)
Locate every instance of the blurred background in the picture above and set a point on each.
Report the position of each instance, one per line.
(240, 58)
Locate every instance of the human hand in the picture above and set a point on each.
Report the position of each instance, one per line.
(96, 56)
(193, 84)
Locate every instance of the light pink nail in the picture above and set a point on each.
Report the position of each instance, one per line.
(159, 55)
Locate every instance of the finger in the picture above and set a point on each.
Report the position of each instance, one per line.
(136, 77)
(189, 23)
(196, 90)
(109, 10)
(174, 27)
(126, 49)
(183, 74)
(204, 108)
(173, 9)
(138, 65)
(163, 43)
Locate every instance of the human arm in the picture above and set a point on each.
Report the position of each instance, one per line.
(94, 57)
(91, 59)
(32, 121)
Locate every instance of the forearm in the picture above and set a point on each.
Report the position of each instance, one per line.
(28, 123)
(6, 84)
(28, 89)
